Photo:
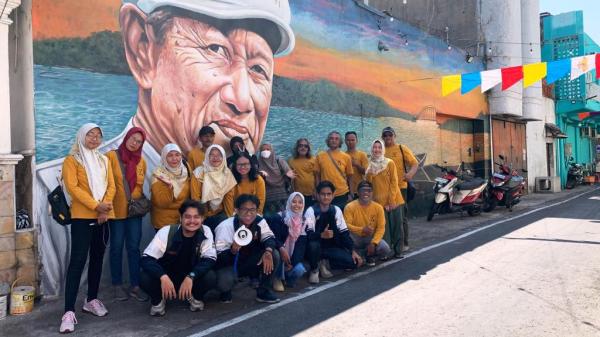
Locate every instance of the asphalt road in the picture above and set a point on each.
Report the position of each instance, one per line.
(535, 275)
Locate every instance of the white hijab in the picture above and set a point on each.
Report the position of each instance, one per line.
(377, 164)
(216, 181)
(94, 163)
(177, 177)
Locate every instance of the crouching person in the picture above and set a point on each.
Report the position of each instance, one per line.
(328, 236)
(366, 221)
(255, 259)
(178, 262)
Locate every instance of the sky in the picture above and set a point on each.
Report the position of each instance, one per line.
(590, 8)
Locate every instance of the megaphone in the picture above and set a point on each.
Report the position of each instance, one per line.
(243, 236)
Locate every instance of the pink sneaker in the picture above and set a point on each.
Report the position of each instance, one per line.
(68, 322)
(95, 307)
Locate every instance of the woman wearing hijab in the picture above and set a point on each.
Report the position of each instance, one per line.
(170, 187)
(89, 181)
(275, 171)
(381, 172)
(237, 147)
(211, 183)
(248, 182)
(304, 165)
(124, 229)
(290, 236)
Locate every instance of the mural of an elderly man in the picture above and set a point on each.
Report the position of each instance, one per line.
(196, 63)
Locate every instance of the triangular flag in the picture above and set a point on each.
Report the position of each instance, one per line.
(469, 81)
(557, 69)
(533, 73)
(510, 76)
(490, 78)
(581, 65)
(597, 65)
(450, 84)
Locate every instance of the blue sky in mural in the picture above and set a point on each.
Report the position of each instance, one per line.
(346, 27)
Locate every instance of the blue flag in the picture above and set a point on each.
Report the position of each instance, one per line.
(557, 69)
(470, 81)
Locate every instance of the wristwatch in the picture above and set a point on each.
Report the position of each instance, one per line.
(191, 275)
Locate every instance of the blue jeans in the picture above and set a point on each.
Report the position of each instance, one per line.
(128, 232)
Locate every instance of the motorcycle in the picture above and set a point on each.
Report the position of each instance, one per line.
(574, 175)
(456, 192)
(504, 188)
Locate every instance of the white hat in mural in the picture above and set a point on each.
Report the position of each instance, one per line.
(276, 11)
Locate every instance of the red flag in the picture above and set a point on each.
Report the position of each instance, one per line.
(598, 65)
(510, 76)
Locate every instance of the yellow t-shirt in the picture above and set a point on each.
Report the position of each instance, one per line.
(363, 161)
(358, 216)
(256, 187)
(305, 174)
(195, 157)
(394, 153)
(328, 171)
(385, 186)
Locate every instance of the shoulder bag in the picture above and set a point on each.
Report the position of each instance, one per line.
(135, 207)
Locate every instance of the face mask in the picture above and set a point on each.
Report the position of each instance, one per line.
(265, 154)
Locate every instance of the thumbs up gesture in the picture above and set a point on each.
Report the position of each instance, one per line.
(327, 233)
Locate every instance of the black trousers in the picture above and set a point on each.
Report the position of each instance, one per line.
(151, 285)
(247, 266)
(306, 249)
(86, 239)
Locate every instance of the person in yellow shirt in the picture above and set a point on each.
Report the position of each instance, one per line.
(89, 181)
(304, 165)
(170, 187)
(248, 182)
(381, 172)
(335, 166)
(126, 230)
(406, 167)
(211, 183)
(359, 161)
(206, 137)
(366, 222)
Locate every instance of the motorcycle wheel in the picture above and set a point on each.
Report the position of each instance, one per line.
(434, 209)
(570, 184)
(490, 203)
(474, 211)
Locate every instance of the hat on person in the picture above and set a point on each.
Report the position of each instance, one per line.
(275, 11)
(388, 129)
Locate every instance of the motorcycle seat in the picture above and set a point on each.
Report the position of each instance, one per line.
(470, 184)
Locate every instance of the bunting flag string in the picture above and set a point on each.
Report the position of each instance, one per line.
(529, 73)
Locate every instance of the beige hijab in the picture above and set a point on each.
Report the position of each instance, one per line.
(377, 164)
(216, 181)
(94, 162)
(177, 177)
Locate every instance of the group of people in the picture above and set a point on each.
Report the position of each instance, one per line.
(309, 215)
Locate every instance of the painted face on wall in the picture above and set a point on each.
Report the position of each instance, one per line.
(196, 75)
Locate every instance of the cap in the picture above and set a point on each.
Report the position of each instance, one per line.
(388, 129)
(276, 11)
(243, 236)
(206, 130)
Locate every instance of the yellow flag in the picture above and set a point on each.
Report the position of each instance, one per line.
(533, 72)
(450, 84)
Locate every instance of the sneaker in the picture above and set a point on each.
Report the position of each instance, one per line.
(406, 248)
(324, 270)
(313, 277)
(68, 322)
(266, 296)
(278, 285)
(398, 256)
(95, 307)
(195, 305)
(159, 309)
(119, 293)
(370, 261)
(254, 283)
(385, 258)
(138, 294)
(225, 297)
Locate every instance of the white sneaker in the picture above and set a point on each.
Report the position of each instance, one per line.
(313, 277)
(68, 322)
(195, 305)
(95, 307)
(159, 309)
(323, 268)
(278, 285)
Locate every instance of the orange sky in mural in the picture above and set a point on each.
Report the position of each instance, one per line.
(310, 63)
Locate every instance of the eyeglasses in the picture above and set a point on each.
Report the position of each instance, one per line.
(94, 137)
(247, 210)
(136, 142)
(303, 145)
(243, 165)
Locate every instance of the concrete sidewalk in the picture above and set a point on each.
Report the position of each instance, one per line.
(131, 318)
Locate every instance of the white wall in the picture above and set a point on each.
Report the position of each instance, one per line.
(4, 91)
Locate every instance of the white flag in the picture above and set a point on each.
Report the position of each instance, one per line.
(581, 65)
(490, 79)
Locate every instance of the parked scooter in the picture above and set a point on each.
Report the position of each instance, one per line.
(456, 192)
(504, 188)
(575, 174)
